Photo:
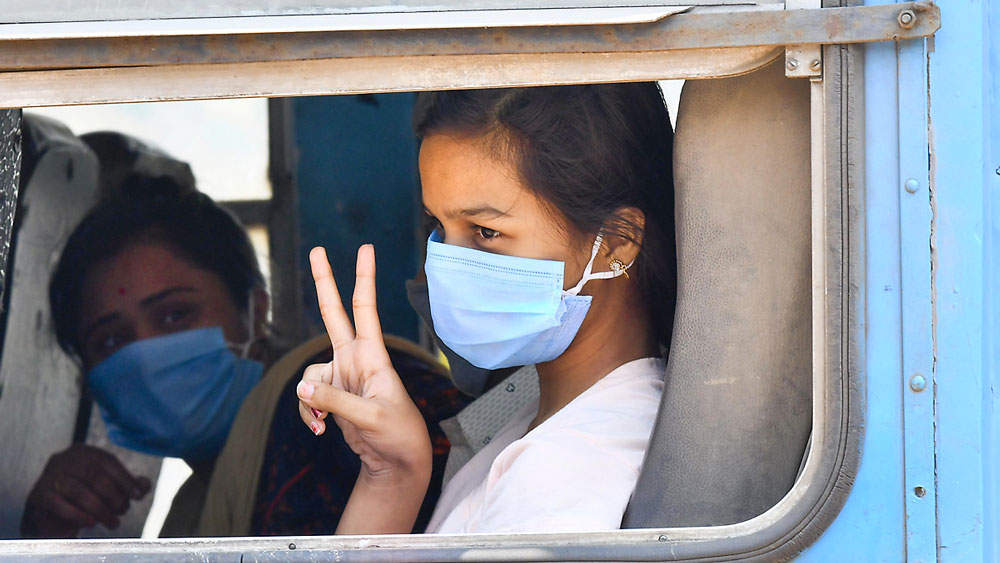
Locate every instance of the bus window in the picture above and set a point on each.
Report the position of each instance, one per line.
(763, 370)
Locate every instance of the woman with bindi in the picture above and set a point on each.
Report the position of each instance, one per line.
(159, 297)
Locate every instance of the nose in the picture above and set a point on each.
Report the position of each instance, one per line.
(452, 240)
(147, 330)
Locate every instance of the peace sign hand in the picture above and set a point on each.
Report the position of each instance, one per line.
(363, 392)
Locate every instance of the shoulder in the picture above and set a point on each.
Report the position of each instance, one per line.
(621, 406)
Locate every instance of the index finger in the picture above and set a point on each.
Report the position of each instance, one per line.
(338, 326)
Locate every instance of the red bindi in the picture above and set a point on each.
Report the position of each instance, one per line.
(121, 291)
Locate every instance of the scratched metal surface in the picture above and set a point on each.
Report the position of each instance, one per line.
(10, 171)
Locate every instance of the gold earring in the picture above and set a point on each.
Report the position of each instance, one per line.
(617, 266)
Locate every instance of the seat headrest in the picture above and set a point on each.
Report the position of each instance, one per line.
(39, 135)
(123, 156)
(736, 408)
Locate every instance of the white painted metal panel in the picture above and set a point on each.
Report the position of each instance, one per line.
(337, 22)
(49, 11)
(41, 386)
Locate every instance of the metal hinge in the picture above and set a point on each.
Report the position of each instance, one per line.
(806, 61)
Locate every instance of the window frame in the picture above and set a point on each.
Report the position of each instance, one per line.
(838, 265)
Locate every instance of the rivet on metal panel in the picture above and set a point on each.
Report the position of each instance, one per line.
(662, 538)
(291, 546)
(918, 383)
(792, 64)
(912, 186)
(998, 170)
(919, 491)
(907, 19)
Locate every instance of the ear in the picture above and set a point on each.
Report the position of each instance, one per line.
(261, 308)
(623, 235)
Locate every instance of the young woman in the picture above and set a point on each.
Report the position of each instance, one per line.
(554, 247)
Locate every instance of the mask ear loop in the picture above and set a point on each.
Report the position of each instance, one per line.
(587, 272)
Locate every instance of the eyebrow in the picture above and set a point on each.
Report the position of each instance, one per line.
(482, 210)
(160, 296)
(146, 302)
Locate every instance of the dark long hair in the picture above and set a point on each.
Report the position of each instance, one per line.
(152, 210)
(587, 151)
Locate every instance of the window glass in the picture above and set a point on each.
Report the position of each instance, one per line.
(173, 473)
(224, 141)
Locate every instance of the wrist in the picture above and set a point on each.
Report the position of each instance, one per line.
(383, 503)
(412, 475)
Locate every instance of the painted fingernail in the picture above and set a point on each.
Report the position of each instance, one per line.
(306, 389)
(314, 427)
(316, 412)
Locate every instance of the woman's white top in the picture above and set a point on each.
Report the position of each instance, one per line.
(573, 472)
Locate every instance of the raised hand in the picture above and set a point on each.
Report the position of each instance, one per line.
(363, 392)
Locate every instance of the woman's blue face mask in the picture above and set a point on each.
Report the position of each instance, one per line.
(500, 311)
(174, 395)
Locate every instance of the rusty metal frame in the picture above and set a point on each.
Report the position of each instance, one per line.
(778, 534)
(364, 75)
(702, 43)
(693, 30)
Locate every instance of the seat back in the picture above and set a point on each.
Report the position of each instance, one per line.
(736, 409)
(41, 386)
(40, 404)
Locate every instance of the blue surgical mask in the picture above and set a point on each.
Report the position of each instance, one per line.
(468, 378)
(174, 395)
(500, 311)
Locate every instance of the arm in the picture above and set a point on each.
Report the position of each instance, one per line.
(368, 401)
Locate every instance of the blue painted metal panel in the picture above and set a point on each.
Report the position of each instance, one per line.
(358, 183)
(947, 315)
(916, 294)
(991, 297)
(991, 301)
(870, 527)
(958, 68)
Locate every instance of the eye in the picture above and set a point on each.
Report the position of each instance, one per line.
(109, 344)
(103, 345)
(173, 317)
(487, 233)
